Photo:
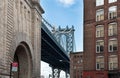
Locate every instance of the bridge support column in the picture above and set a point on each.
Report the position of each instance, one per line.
(55, 73)
(66, 74)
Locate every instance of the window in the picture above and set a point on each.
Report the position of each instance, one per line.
(99, 15)
(111, 1)
(74, 67)
(112, 29)
(99, 62)
(78, 62)
(112, 12)
(99, 46)
(113, 62)
(100, 31)
(81, 60)
(75, 56)
(113, 45)
(99, 2)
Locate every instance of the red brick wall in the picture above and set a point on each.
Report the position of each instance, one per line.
(89, 49)
(90, 33)
(76, 65)
(95, 74)
(89, 6)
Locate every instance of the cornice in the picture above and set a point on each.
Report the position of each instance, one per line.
(36, 3)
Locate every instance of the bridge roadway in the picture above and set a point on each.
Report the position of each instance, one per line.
(52, 52)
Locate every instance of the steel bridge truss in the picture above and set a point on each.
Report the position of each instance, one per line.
(65, 36)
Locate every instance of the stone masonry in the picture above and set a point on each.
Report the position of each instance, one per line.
(20, 22)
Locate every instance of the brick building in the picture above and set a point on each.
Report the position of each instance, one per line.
(101, 39)
(76, 64)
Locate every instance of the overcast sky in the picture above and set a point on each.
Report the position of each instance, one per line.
(63, 13)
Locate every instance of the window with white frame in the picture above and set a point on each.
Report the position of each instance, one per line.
(111, 1)
(113, 62)
(99, 15)
(99, 46)
(112, 29)
(112, 45)
(99, 62)
(100, 31)
(99, 2)
(112, 12)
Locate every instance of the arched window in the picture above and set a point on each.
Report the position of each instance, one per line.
(111, 1)
(99, 15)
(99, 2)
(99, 46)
(112, 29)
(100, 31)
(112, 12)
(99, 62)
(112, 46)
(113, 62)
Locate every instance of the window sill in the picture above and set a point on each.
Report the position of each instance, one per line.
(99, 52)
(112, 51)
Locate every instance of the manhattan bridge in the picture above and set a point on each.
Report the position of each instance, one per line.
(57, 43)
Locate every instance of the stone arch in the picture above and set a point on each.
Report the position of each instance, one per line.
(24, 59)
(21, 39)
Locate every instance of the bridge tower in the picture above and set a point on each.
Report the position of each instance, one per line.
(56, 73)
(65, 36)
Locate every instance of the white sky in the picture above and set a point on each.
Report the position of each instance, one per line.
(66, 2)
(46, 70)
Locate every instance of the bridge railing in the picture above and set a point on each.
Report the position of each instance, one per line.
(48, 25)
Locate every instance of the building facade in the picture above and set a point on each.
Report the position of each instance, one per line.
(20, 38)
(42, 76)
(76, 64)
(101, 39)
